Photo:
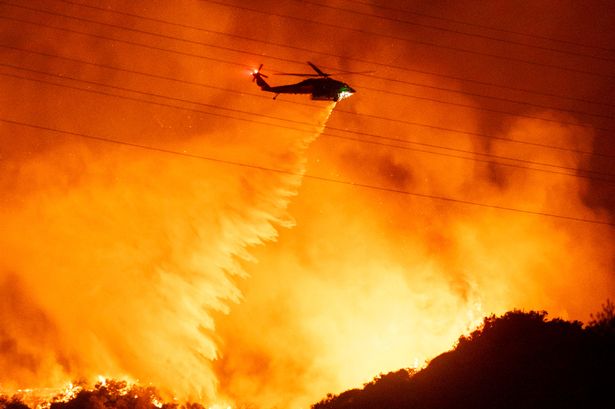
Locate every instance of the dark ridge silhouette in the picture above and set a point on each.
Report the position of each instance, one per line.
(13, 403)
(518, 360)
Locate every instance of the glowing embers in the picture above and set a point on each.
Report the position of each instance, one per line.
(69, 393)
(106, 393)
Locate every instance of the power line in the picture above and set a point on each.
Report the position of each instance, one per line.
(260, 95)
(454, 31)
(309, 131)
(483, 135)
(161, 104)
(293, 122)
(498, 29)
(149, 94)
(149, 148)
(491, 110)
(294, 61)
(424, 43)
(300, 19)
(128, 42)
(309, 176)
(501, 99)
(289, 46)
(152, 75)
(475, 159)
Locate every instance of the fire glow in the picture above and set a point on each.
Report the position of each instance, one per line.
(194, 255)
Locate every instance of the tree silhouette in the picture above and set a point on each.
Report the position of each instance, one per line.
(115, 395)
(604, 321)
(12, 403)
(518, 360)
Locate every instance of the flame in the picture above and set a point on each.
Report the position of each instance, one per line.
(219, 281)
(70, 391)
(119, 256)
(370, 282)
(156, 402)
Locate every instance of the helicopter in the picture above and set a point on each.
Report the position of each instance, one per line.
(322, 87)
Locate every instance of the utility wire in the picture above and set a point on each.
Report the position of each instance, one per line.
(292, 47)
(469, 24)
(119, 40)
(294, 122)
(474, 94)
(309, 131)
(384, 17)
(480, 160)
(454, 31)
(422, 43)
(290, 121)
(309, 176)
(491, 110)
(338, 110)
(161, 104)
(440, 88)
(473, 107)
(89, 21)
(149, 94)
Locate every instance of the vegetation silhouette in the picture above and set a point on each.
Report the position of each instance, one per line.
(518, 360)
(109, 394)
(12, 403)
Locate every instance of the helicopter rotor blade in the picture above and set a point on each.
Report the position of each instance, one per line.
(296, 74)
(328, 74)
(320, 73)
(352, 72)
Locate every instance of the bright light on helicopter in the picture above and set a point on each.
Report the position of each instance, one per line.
(343, 94)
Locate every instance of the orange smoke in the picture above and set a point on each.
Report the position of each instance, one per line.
(178, 258)
(371, 281)
(115, 256)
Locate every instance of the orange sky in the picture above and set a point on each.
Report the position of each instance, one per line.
(442, 191)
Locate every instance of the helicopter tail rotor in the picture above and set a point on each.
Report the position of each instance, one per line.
(258, 77)
(257, 74)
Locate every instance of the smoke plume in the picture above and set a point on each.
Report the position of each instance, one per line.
(115, 255)
(194, 256)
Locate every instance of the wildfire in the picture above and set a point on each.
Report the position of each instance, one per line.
(134, 205)
(157, 403)
(70, 391)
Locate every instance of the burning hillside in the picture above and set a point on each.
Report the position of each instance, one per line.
(163, 219)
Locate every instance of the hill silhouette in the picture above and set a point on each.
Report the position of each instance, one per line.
(518, 360)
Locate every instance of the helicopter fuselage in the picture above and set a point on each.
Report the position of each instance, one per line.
(321, 88)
